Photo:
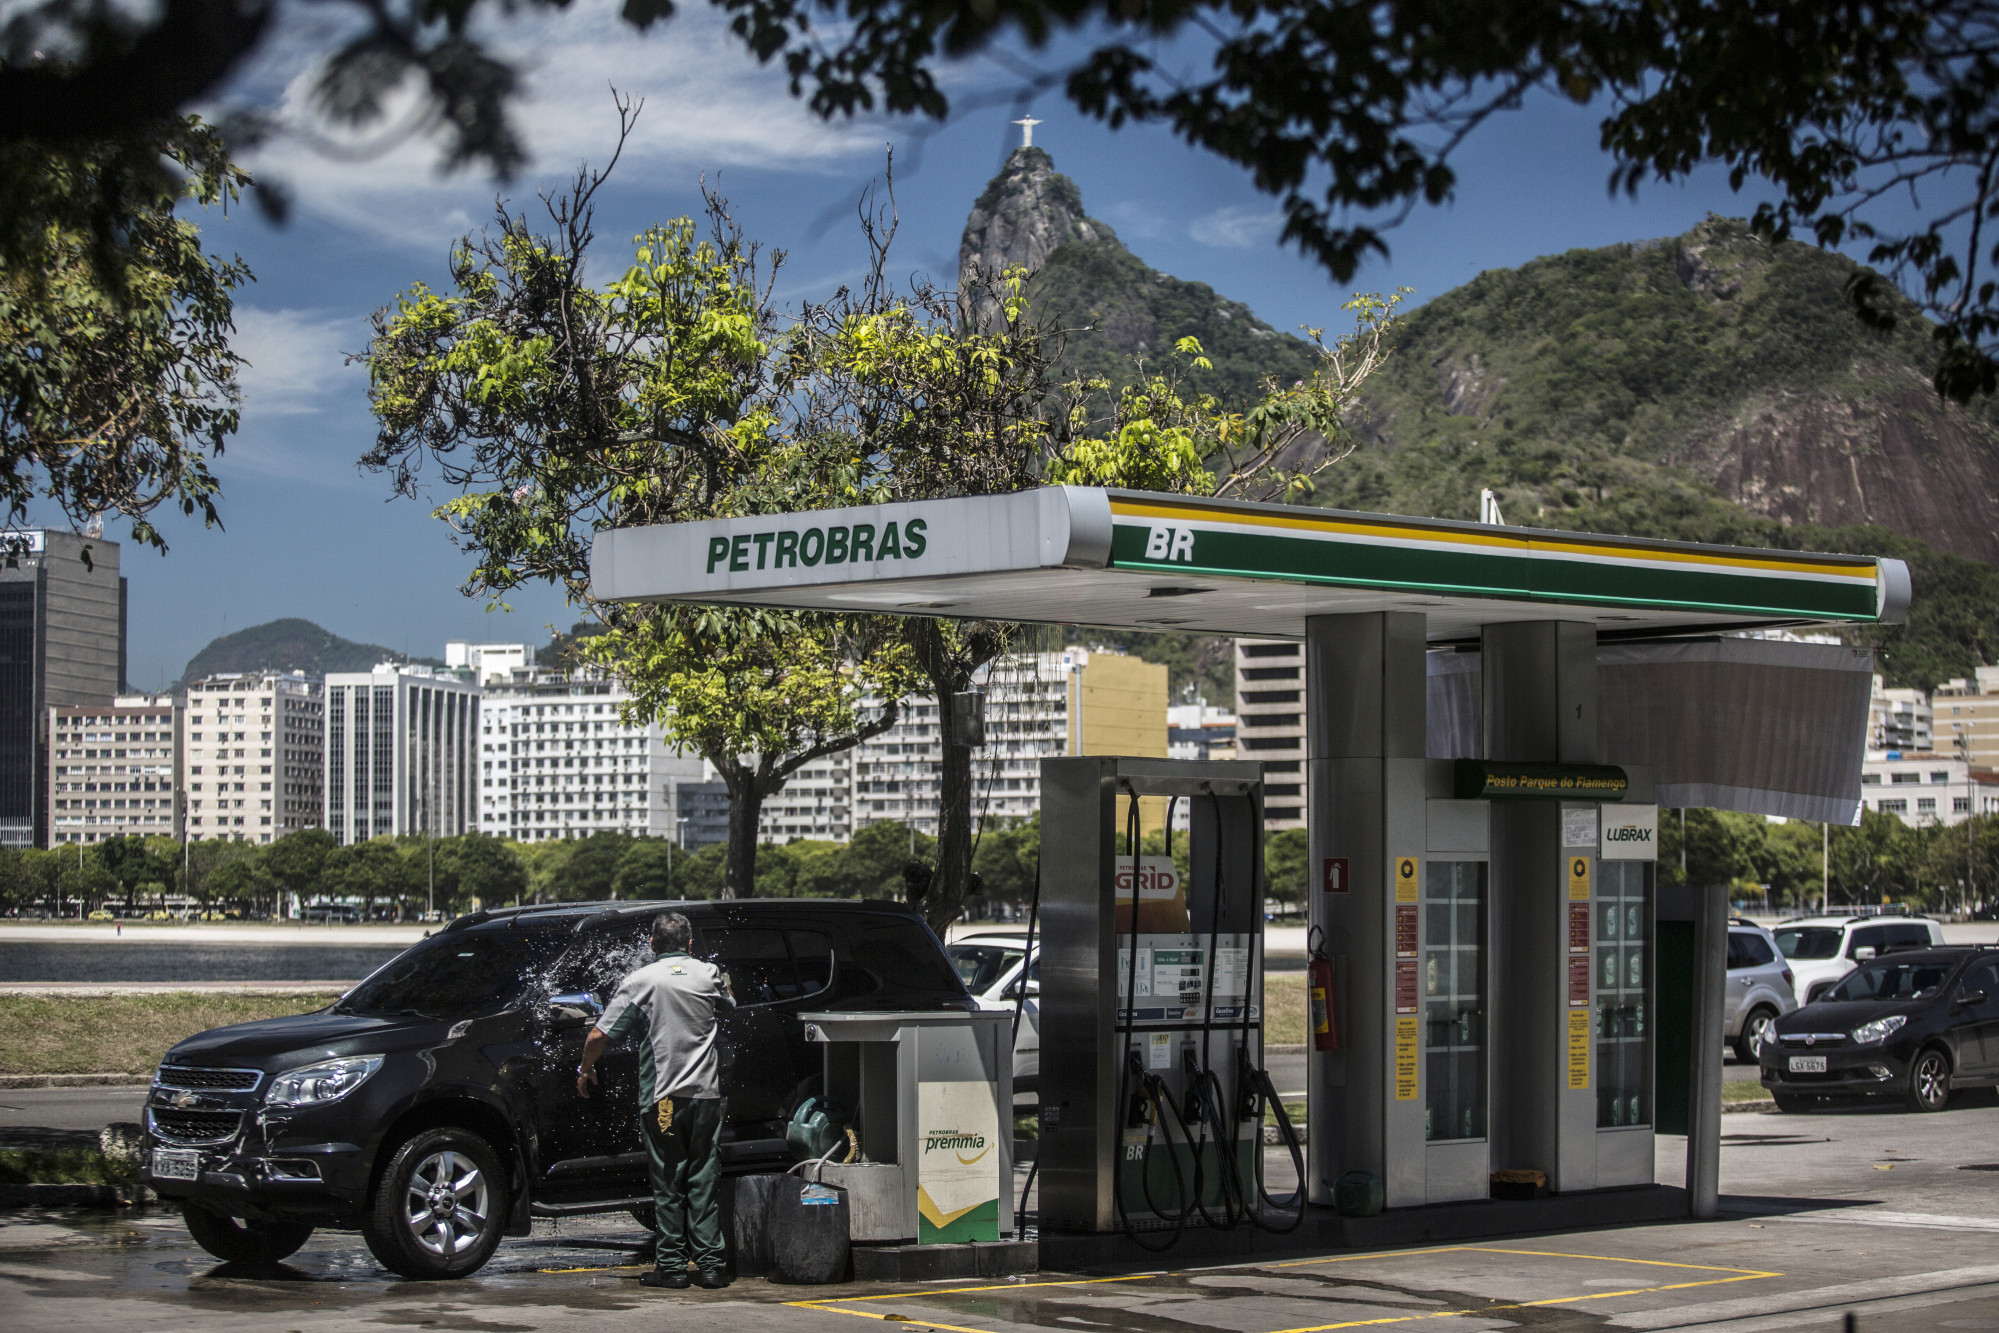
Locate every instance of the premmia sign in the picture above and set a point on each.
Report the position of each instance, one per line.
(837, 544)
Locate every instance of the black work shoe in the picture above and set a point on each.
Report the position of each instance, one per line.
(661, 1278)
(713, 1281)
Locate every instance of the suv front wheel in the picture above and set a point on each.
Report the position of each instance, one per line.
(439, 1206)
(1929, 1082)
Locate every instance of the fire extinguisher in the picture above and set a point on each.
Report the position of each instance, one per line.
(1325, 1013)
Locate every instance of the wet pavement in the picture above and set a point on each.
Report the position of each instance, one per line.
(1892, 1216)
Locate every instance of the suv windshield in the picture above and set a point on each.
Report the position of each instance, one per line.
(1892, 981)
(1808, 942)
(457, 974)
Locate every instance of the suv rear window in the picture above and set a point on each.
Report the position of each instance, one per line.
(1748, 949)
(1808, 943)
(898, 958)
(767, 965)
(1909, 937)
(980, 965)
(457, 974)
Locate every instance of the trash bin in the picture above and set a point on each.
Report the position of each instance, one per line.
(931, 1093)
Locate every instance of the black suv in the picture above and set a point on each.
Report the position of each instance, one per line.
(434, 1107)
(1915, 1023)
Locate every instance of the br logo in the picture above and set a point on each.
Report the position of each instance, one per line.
(1579, 868)
(1405, 868)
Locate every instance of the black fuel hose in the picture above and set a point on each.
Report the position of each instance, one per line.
(1020, 1004)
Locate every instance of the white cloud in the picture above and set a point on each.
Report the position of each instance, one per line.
(708, 106)
(1237, 227)
(296, 359)
(1134, 220)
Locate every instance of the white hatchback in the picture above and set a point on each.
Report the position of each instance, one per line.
(991, 967)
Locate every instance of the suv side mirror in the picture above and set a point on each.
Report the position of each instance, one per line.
(573, 1010)
(1864, 954)
(1966, 999)
(1033, 989)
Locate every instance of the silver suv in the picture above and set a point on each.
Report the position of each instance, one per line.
(1759, 988)
(1822, 949)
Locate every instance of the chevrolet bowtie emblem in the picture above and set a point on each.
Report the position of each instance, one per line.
(183, 1099)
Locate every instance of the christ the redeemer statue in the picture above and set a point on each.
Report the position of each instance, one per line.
(1027, 124)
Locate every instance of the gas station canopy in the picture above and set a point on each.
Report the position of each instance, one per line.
(1150, 561)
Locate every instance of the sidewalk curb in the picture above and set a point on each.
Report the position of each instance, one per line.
(75, 1080)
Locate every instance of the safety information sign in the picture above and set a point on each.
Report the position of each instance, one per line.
(1578, 1047)
(1231, 971)
(1579, 879)
(1405, 931)
(1337, 873)
(1406, 986)
(1578, 927)
(1159, 1051)
(1405, 1059)
(1405, 879)
(1578, 982)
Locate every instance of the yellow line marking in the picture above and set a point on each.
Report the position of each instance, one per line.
(827, 1304)
(1854, 570)
(832, 1304)
(608, 1268)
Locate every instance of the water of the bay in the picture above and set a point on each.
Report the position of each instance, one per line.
(69, 961)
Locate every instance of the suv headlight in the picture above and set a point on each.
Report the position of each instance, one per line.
(1879, 1030)
(327, 1081)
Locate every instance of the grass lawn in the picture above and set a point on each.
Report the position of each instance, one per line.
(55, 1166)
(121, 1034)
(1283, 1008)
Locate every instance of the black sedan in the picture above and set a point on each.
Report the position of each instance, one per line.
(1914, 1025)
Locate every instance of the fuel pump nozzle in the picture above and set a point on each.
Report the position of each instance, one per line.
(1194, 1103)
(1137, 1114)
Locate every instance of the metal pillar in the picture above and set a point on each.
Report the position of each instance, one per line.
(1704, 1079)
(1539, 682)
(1365, 697)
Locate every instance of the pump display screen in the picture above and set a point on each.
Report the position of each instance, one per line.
(1172, 976)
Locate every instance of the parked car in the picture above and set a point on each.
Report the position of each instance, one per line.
(434, 1107)
(991, 966)
(1822, 949)
(1916, 1024)
(1759, 988)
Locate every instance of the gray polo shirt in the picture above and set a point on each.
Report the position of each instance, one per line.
(673, 999)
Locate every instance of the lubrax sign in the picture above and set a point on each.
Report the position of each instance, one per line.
(836, 544)
(1630, 833)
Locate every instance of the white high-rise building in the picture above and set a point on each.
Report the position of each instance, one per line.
(554, 761)
(1073, 702)
(401, 753)
(255, 756)
(487, 663)
(1270, 723)
(817, 802)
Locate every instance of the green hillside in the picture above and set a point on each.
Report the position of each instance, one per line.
(290, 645)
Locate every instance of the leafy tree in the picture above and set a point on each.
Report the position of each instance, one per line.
(118, 380)
(591, 868)
(1286, 866)
(296, 860)
(373, 871)
(236, 878)
(651, 868)
(1007, 856)
(481, 867)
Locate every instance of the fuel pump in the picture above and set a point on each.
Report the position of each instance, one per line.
(1153, 1091)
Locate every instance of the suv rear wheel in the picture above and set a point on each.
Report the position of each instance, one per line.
(1755, 1031)
(236, 1242)
(439, 1206)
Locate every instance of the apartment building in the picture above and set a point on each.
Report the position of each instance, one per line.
(817, 802)
(1270, 724)
(62, 645)
(1899, 719)
(486, 663)
(1921, 788)
(1965, 717)
(555, 761)
(255, 756)
(1200, 731)
(114, 769)
(401, 754)
(1076, 701)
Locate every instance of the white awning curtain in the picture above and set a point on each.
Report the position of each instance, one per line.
(1761, 726)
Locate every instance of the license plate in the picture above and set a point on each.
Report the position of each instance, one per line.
(176, 1164)
(1807, 1064)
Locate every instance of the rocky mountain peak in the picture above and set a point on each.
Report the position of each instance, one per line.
(1027, 213)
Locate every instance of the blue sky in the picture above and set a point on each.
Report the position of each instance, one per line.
(308, 534)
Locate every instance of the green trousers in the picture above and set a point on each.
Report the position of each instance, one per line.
(686, 1170)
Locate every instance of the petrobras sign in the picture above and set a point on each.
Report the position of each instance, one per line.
(15, 541)
(737, 559)
(1630, 833)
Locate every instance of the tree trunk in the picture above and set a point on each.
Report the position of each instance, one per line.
(948, 886)
(746, 800)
